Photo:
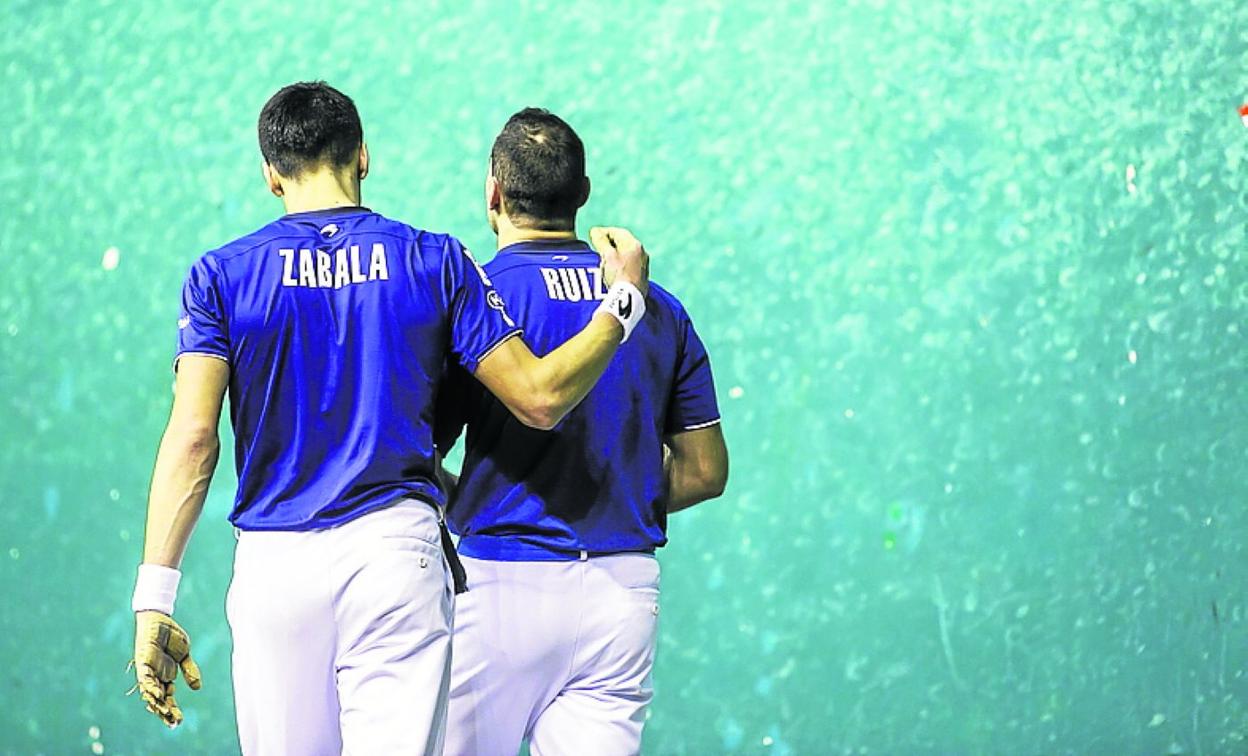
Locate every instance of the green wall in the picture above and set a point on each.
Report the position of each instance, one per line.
(972, 275)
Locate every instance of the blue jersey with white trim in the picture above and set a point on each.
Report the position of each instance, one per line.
(594, 484)
(337, 325)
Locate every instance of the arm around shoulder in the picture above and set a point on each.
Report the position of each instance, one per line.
(540, 391)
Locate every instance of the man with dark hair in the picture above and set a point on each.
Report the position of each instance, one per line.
(538, 162)
(554, 641)
(331, 327)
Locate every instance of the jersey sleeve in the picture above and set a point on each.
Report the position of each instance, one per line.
(202, 326)
(692, 405)
(479, 319)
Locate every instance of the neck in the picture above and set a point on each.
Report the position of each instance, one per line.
(509, 233)
(320, 191)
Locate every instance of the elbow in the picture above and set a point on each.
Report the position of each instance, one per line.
(543, 422)
(540, 412)
(714, 482)
(198, 441)
(714, 475)
(708, 482)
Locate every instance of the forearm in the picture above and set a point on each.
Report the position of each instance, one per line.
(565, 376)
(695, 467)
(184, 465)
(183, 471)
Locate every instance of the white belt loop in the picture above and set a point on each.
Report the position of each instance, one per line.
(584, 555)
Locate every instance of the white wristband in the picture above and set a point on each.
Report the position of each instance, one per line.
(156, 588)
(625, 303)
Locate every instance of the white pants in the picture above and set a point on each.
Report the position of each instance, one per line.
(342, 637)
(559, 653)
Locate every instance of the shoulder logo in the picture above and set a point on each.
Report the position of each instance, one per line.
(495, 301)
(184, 321)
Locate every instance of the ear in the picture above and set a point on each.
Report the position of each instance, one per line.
(584, 193)
(272, 179)
(493, 195)
(363, 160)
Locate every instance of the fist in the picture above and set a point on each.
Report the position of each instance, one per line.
(161, 648)
(623, 257)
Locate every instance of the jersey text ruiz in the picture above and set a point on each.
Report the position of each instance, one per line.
(322, 269)
(574, 284)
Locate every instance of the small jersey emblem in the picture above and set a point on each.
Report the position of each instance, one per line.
(184, 321)
(329, 230)
(495, 301)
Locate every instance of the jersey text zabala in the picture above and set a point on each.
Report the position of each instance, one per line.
(321, 269)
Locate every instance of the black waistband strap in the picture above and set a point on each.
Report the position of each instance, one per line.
(458, 576)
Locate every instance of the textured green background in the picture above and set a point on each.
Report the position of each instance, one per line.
(972, 275)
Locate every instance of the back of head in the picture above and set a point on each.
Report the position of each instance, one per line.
(309, 125)
(539, 163)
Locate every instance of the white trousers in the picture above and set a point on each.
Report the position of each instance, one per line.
(342, 637)
(559, 653)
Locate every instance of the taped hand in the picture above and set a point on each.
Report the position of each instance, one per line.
(161, 648)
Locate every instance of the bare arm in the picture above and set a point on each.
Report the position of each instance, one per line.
(540, 391)
(184, 467)
(695, 466)
(186, 460)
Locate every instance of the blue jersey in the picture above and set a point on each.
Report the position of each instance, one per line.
(594, 484)
(337, 325)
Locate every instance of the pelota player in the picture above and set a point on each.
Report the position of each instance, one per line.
(555, 638)
(331, 327)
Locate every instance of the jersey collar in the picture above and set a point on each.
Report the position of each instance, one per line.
(329, 212)
(545, 246)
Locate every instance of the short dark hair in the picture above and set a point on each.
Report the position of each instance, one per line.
(539, 163)
(306, 125)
